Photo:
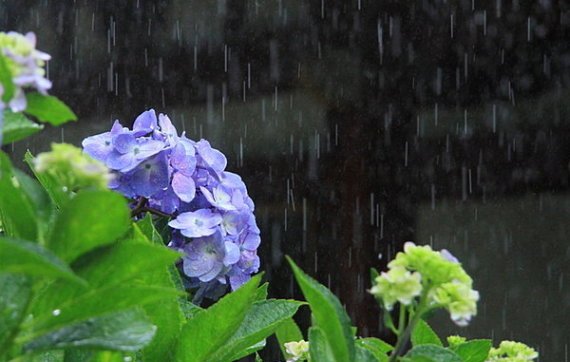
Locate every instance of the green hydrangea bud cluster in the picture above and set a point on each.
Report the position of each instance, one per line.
(72, 168)
(454, 341)
(510, 351)
(297, 351)
(436, 275)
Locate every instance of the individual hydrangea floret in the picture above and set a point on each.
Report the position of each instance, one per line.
(510, 351)
(458, 299)
(211, 212)
(397, 285)
(72, 168)
(26, 66)
(297, 351)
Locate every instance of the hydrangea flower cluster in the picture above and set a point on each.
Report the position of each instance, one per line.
(510, 351)
(434, 275)
(212, 215)
(26, 66)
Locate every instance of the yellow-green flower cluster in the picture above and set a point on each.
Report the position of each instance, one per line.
(397, 285)
(26, 66)
(454, 341)
(436, 274)
(297, 351)
(510, 351)
(72, 168)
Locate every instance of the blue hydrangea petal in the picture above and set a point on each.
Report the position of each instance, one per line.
(145, 123)
(211, 157)
(184, 187)
(251, 241)
(151, 176)
(232, 253)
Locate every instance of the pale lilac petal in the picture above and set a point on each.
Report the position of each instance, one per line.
(232, 253)
(184, 187)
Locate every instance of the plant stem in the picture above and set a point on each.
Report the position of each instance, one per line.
(141, 207)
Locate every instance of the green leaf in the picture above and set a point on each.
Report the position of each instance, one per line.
(96, 303)
(250, 350)
(24, 257)
(262, 292)
(38, 197)
(146, 227)
(365, 355)
(424, 334)
(430, 352)
(17, 212)
(6, 79)
(210, 329)
(17, 127)
(476, 350)
(319, 347)
(48, 109)
(376, 346)
(374, 273)
(14, 296)
(288, 331)
(90, 220)
(82, 355)
(329, 315)
(261, 321)
(48, 182)
(123, 331)
(125, 260)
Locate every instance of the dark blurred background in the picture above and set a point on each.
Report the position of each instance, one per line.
(357, 125)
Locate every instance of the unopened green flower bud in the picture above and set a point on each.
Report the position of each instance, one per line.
(72, 168)
(454, 341)
(510, 351)
(397, 285)
(297, 351)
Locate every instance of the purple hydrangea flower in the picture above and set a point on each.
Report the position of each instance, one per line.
(212, 218)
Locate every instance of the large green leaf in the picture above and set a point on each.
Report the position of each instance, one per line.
(319, 347)
(124, 261)
(6, 79)
(166, 314)
(48, 109)
(82, 355)
(430, 352)
(329, 315)
(91, 219)
(363, 354)
(476, 350)
(262, 319)
(24, 257)
(96, 303)
(44, 208)
(424, 334)
(17, 212)
(122, 331)
(288, 331)
(17, 127)
(210, 329)
(15, 291)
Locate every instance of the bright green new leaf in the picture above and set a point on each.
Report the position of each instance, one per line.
(424, 334)
(262, 292)
(430, 352)
(319, 347)
(210, 329)
(82, 355)
(122, 331)
(250, 350)
(17, 127)
(6, 79)
(329, 315)
(261, 321)
(14, 295)
(288, 331)
(146, 227)
(17, 212)
(90, 220)
(363, 354)
(48, 109)
(476, 350)
(24, 257)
